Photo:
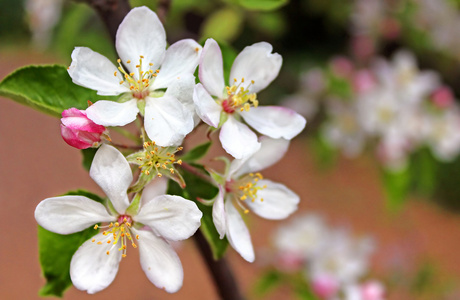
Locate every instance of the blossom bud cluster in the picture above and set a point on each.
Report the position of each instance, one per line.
(393, 103)
(372, 21)
(332, 261)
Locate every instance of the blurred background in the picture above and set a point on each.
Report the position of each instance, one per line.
(377, 167)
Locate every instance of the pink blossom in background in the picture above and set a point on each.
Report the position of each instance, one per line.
(443, 97)
(325, 286)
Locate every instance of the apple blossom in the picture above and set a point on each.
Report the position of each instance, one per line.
(224, 107)
(343, 129)
(141, 43)
(156, 161)
(95, 264)
(242, 188)
(342, 258)
(80, 132)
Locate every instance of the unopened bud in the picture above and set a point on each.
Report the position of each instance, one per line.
(78, 131)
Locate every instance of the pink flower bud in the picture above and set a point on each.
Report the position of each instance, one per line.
(363, 81)
(443, 97)
(342, 66)
(289, 261)
(390, 28)
(363, 47)
(372, 290)
(325, 286)
(78, 131)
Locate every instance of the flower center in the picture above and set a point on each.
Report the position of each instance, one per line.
(245, 188)
(118, 232)
(138, 83)
(239, 98)
(158, 159)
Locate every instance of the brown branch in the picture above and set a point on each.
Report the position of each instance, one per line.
(220, 270)
(162, 9)
(112, 13)
(196, 172)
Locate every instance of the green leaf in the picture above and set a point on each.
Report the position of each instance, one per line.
(55, 253)
(48, 89)
(424, 172)
(324, 154)
(301, 287)
(88, 156)
(228, 55)
(199, 188)
(397, 187)
(196, 153)
(267, 282)
(264, 5)
(272, 23)
(223, 25)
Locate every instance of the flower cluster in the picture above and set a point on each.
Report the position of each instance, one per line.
(155, 88)
(373, 22)
(332, 261)
(392, 104)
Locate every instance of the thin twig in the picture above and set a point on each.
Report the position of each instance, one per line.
(196, 172)
(112, 12)
(220, 269)
(137, 148)
(162, 9)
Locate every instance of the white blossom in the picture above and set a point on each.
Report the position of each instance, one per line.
(159, 220)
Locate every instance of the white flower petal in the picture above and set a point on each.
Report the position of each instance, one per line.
(94, 71)
(257, 63)
(156, 187)
(270, 152)
(278, 201)
(160, 262)
(70, 214)
(237, 233)
(111, 171)
(206, 107)
(109, 113)
(237, 139)
(141, 33)
(182, 90)
(91, 269)
(167, 121)
(218, 213)
(181, 58)
(275, 121)
(211, 70)
(172, 217)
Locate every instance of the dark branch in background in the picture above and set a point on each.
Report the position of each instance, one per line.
(162, 9)
(221, 273)
(111, 12)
